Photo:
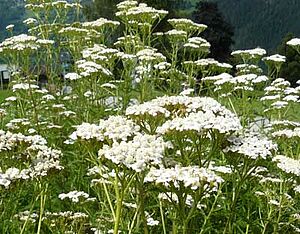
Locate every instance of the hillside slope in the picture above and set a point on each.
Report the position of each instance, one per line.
(257, 22)
(261, 22)
(11, 12)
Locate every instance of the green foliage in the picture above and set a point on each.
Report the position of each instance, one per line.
(100, 8)
(219, 32)
(291, 68)
(124, 144)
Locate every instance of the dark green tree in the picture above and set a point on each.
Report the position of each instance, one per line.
(290, 70)
(219, 32)
(100, 8)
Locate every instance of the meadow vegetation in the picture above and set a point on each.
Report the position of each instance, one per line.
(143, 133)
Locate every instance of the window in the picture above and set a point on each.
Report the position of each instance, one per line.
(5, 75)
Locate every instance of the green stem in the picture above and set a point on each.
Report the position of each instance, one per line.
(118, 213)
(42, 208)
(280, 210)
(142, 205)
(210, 212)
(162, 217)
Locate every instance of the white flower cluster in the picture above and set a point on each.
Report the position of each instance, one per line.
(74, 31)
(89, 68)
(74, 196)
(119, 128)
(287, 133)
(202, 122)
(192, 177)
(223, 76)
(19, 43)
(187, 91)
(243, 69)
(250, 54)
(24, 86)
(130, 10)
(16, 124)
(210, 64)
(219, 169)
(114, 128)
(147, 59)
(281, 94)
(138, 154)
(197, 43)
(251, 145)
(295, 42)
(30, 21)
(287, 123)
(162, 66)
(27, 216)
(176, 35)
(99, 23)
(99, 53)
(45, 42)
(10, 27)
(187, 113)
(70, 215)
(72, 76)
(9, 140)
(132, 41)
(187, 25)
(181, 105)
(150, 221)
(228, 83)
(124, 5)
(109, 86)
(276, 58)
(67, 113)
(147, 108)
(150, 54)
(50, 5)
(297, 190)
(288, 165)
(41, 158)
(106, 175)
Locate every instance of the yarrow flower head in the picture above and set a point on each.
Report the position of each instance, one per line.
(280, 94)
(115, 128)
(100, 23)
(22, 42)
(74, 196)
(72, 76)
(251, 55)
(10, 27)
(295, 43)
(89, 68)
(198, 43)
(201, 122)
(288, 165)
(252, 146)
(138, 154)
(40, 159)
(276, 58)
(131, 11)
(187, 25)
(192, 177)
